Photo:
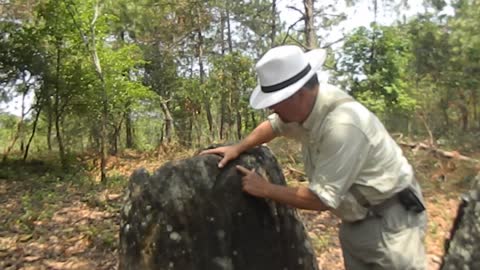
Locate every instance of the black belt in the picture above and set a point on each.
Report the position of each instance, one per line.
(405, 197)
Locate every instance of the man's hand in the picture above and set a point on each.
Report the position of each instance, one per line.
(298, 197)
(229, 152)
(261, 134)
(253, 183)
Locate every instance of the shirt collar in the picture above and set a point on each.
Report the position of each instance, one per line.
(319, 110)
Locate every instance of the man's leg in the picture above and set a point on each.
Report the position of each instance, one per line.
(392, 241)
(360, 243)
(403, 238)
(351, 262)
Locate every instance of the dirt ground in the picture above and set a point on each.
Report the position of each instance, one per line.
(49, 222)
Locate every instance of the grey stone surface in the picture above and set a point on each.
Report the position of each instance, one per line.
(463, 249)
(191, 215)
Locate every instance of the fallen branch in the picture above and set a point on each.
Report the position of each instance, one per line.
(440, 152)
(296, 171)
(430, 134)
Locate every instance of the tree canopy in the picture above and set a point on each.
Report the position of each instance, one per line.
(110, 75)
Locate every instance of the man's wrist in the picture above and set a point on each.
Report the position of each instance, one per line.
(269, 190)
(240, 147)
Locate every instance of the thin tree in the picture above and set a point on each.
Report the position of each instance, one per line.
(90, 43)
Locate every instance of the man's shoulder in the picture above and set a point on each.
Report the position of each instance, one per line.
(350, 113)
(325, 86)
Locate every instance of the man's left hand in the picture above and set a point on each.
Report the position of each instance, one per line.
(253, 183)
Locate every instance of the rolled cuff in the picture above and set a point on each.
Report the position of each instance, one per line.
(346, 208)
(276, 124)
(326, 194)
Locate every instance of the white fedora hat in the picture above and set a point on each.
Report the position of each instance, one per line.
(282, 71)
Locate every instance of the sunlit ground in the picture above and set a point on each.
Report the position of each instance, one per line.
(55, 221)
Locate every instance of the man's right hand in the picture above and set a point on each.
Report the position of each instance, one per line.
(261, 134)
(229, 152)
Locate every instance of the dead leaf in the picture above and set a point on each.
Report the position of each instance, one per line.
(8, 242)
(80, 246)
(32, 258)
(25, 237)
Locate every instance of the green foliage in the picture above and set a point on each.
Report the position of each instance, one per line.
(465, 45)
(183, 70)
(375, 66)
(20, 58)
(17, 50)
(8, 124)
(233, 77)
(233, 73)
(424, 68)
(446, 61)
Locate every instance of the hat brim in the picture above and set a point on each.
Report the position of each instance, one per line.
(262, 100)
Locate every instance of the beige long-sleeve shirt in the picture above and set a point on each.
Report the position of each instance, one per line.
(347, 146)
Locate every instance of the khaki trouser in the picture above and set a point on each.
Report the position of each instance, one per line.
(393, 240)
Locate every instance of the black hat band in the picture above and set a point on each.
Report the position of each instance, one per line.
(292, 80)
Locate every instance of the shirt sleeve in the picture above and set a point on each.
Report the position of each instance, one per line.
(278, 125)
(338, 159)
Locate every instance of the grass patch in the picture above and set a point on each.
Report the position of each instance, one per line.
(320, 242)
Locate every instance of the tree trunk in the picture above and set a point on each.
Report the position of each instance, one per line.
(168, 122)
(19, 129)
(310, 36)
(229, 33)
(98, 69)
(115, 138)
(463, 107)
(103, 142)
(246, 116)
(222, 31)
(274, 23)
(373, 48)
(130, 142)
(49, 124)
(222, 116)
(190, 132)
(206, 102)
(464, 115)
(90, 44)
(222, 98)
(56, 105)
(254, 120)
(61, 147)
(444, 107)
(34, 128)
(94, 137)
(232, 96)
(474, 107)
(239, 124)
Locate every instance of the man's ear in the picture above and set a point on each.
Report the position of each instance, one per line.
(302, 93)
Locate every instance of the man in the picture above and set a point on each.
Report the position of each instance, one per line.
(355, 169)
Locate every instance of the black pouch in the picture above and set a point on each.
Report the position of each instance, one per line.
(410, 201)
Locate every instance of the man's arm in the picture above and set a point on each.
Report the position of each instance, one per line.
(261, 134)
(298, 197)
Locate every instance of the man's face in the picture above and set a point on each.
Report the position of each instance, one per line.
(288, 109)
